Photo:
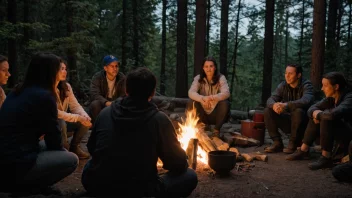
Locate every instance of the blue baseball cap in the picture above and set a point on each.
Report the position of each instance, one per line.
(109, 59)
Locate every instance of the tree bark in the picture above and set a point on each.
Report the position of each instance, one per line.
(208, 28)
(181, 61)
(224, 35)
(287, 33)
(12, 48)
(268, 51)
(200, 32)
(318, 44)
(300, 53)
(330, 36)
(233, 73)
(124, 36)
(163, 50)
(135, 34)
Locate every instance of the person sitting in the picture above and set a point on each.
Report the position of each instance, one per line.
(287, 109)
(104, 86)
(130, 169)
(343, 172)
(209, 94)
(29, 112)
(331, 118)
(4, 76)
(78, 119)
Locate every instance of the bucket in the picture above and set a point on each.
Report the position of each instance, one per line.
(255, 130)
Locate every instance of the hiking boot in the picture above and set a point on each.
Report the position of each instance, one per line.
(322, 162)
(291, 148)
(79, 152)
(298, 155)
(277, 146)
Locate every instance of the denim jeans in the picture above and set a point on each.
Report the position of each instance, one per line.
(218, 116)
(168, 184)
(78, 129)
(50, 167)
(292, 123)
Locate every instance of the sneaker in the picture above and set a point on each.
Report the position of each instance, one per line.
(298, 155)
(321, 163)
(276, 147)
(291, 148)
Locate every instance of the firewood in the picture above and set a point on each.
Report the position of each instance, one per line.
(191, 152)
(220, 145)
(257, 156)
(228, 138)
(206, 141)
(247, 157)
(345, 159)
(233, 149)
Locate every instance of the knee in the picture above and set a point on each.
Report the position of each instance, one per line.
(224, 105)
(95, 106)
(71, 160)
(268, 111)
(192, 177)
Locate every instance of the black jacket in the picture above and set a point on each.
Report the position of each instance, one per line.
(342, 110)
(300, 97)
(23, 119)
(126, 141)
(99, 87)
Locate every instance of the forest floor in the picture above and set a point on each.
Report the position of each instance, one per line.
(275, 178)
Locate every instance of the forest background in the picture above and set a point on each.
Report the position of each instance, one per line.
(253, 40)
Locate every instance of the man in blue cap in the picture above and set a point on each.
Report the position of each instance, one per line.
(105, 86)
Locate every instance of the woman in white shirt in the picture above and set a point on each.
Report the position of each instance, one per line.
(77, 117)
(209, 93)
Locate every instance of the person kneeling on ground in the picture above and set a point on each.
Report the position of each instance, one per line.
(331, 118)
(78, 119)
(29, 112)
(287, 109)
(209, 94)
(127, 139)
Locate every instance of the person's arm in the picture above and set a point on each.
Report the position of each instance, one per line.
(95, 91)
(276, 96)
(174, 158)
(49, 123)
(323, 104)
(75, 107)
(306, 99)
(342, 110)
(224, 90)
(193, 90)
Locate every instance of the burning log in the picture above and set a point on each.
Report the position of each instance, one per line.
(220, 145)
(207, 144)
(191, 152)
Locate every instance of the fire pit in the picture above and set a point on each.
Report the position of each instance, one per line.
(222, 162)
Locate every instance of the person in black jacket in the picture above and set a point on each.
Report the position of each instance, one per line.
(343, 172)
(331, 118)
(286, 109)
(28, 113)
(126, 141)
(104, 87)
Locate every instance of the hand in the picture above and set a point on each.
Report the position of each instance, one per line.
(206, 101)
(315, 113)
(84, 121)
(277, 108)
(108, 103)
(316, 121)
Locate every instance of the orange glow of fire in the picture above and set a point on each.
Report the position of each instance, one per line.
(188, 130)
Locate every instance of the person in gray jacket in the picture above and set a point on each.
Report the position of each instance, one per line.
(105, 87)
(286, 109)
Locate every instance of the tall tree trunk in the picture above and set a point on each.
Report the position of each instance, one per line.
(200, 32)
(330, 36)
(349, 23)
(338, 28)
(26, 4)
(181, 61)
(235, 49)
(318, 44)
(224, 35)
(268, 51)
(300, 53)
(12, 49)
(135, 34)
(72, 52)
(163, 50)
(287, 33)
(124, 36)
(208, 28)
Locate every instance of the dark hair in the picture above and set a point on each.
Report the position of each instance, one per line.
(3, 58)
(140, 83)
(62, 86)
(41, 72)
(299, 69)
(217, 74)
(337, 78)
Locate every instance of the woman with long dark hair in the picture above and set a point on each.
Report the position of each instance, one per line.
(209, 93)
(78, 119)
(4, 76)
(331, 118)
(29, 112)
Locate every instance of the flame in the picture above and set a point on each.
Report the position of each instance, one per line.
(188, 130)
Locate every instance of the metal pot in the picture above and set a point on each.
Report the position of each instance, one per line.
(222, 162)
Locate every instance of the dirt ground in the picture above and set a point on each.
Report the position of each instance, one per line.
(275, 178)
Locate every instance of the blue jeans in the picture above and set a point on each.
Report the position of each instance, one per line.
(168, 184)
(50, 168)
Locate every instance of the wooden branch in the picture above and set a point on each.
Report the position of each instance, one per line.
(206, 141)
(220, 145)
(191, 152)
